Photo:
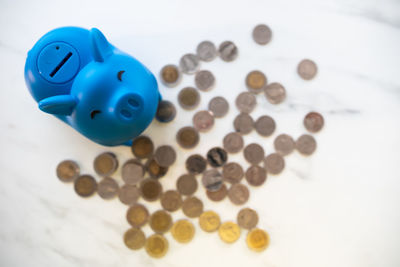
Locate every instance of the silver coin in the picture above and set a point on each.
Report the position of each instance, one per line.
(105, 164)
(228, 51)
(256, 175)
(253, 153)
(212, 180)
(204, 80)
(307, 69)
(218, 106)
(238, 194)
(246, 102)
(274, 163)
(265, 125)
(189, 98)
(206, 51)
(129, 194)
(262, 34)
(165, 155)
(233, 142)
(217, 157)
(107, 188)
(243, 123)
(284, 144)
(166, 111)
(203, 120)
(306, 144)
(275, 93)
(67, 170)
(189, 64)
(132, 171)
(232, 173)
(170, 75)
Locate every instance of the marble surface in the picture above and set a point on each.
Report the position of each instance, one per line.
(339, 207)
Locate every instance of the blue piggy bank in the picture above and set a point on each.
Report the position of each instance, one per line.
(102, 92)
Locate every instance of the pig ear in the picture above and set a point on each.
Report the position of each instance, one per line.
(59, 104)
(101, 48)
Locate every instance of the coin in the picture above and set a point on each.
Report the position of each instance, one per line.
(209, 221)
(150, 189)
(85, 185)
(256, 81)
(275, 93)
(233, 142)
(243, 123)
(171, 200)
(206, 51)
(232, 172)
(183, 231)
(203, 120)
(105, 164)
(238, 194)
(284, 144)
(134, 238)
(204, 80)
(192, 207)
(313, 122)
(217, 157)
(160, 221)
(218, 106)
(108, 188)
(170, 75)
(189, 98)
(306, 144)
(132, 171)
(274, 163)
(212, 180)
(196, 164)
(265, 125)
(262, 34)
(142, 147)
(217, 195)
(187, 137)
(189, 63)
(166, 111)
(246, 102)
(186, 184)
(307, 69)
(257, 240)
(155, 170)
(67, 170)
(129, 194)
(228, 51)
(253, 153)
(255, 175)
(137, 215)
(156, 246)
(247, 218)
(165, 155)
(229, 232)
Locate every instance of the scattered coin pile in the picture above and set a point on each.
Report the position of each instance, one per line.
(220, 177)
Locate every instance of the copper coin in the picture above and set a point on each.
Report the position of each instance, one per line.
(313, 122)
(170, 75)
(189, 98)
(218, 106)
(150, 189)
(265, 125)
(212, 180)
(238, 194)
(253, 153)
(233, 142)
(186, 184)
(228, 51)
(275, 93)
(243, 123)
(85, 185)
(206, 51)
(160, 221)
(232, 173)
(246, 102)
(256, 81)
(105, 164)
(107, 188)
(166, 111)
(256, 175)
(218, 195)
(203, 120)
(262, 34)
(189, 63)
(247, 218)
(137, 215)
(129, 194)
(171, 200)
(142, 147)
(306, 144)
(307, 69)
(196, 164)
(274, 163)
(67, 170)
(192, 207)
(204, 80)
(284, 144)
(165, 155)
(187, 137)
(134, 238)
(155, 170)
(217, 156)
(132, 171)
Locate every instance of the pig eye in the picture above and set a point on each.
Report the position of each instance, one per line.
(119, 75)
(94, 113)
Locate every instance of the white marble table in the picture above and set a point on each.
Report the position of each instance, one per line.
(339, 207)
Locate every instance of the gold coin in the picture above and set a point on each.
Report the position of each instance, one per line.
(137, 215)
(257, 239)
(160, 221)
(134, 238)
(229, 232)
(183, 231)
(209, 221)
(85, 185)
(156, 246)
(256, 81)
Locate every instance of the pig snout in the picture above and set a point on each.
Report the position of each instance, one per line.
(129, 106)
